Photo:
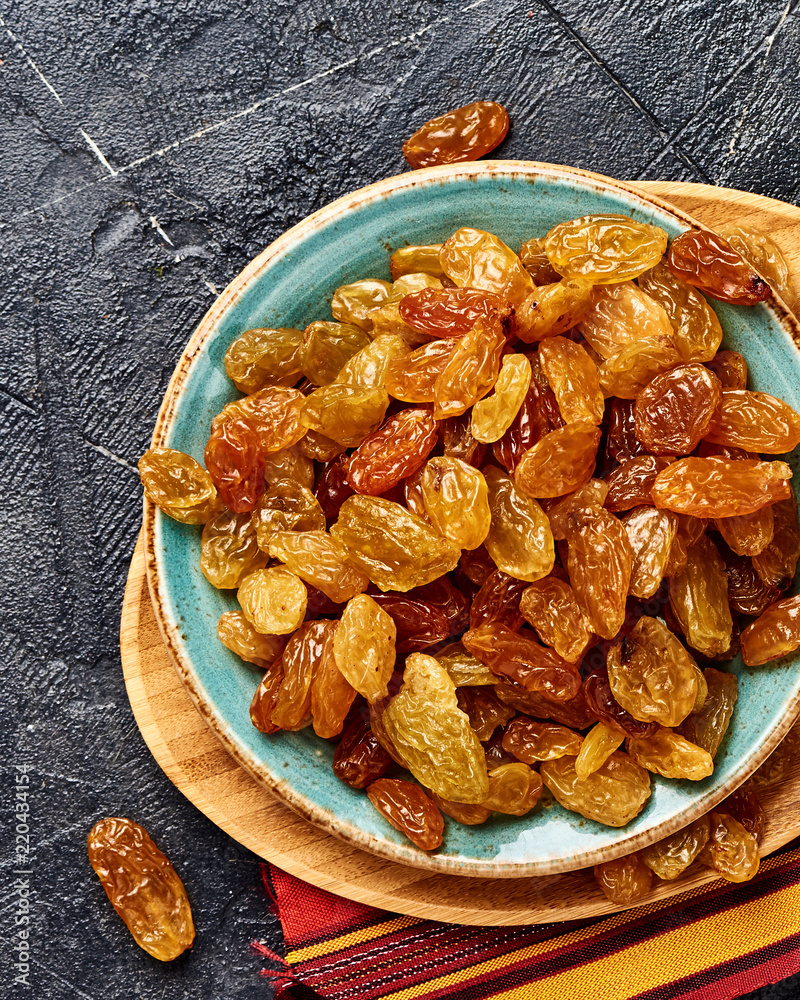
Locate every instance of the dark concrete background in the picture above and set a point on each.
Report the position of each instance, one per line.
(149, 149)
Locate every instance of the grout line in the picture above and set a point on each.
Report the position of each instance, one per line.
(20, 402)
(31, 63)
(584, 46)
(746, 62)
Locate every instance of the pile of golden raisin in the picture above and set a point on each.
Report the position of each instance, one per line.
(499, 521)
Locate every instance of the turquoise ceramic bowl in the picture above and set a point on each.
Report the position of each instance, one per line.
(291, 284)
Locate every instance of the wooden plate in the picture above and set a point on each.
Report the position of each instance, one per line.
(199, 766)
(196, 763)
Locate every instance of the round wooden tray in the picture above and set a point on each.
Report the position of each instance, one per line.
(197, 764)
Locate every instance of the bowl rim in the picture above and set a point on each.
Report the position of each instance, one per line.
(170, 633)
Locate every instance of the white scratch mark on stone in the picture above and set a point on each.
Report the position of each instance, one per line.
(56, 777)
(110, 454)
(746, 63)
(737, 132)
(185, 200)
(250, 109)
(771, 38)
(97, 152)
(210, 285)
(63, 197)
(87, 138)
(770, 41)
(122, 743)
(154, 223)
(19, 402)
(257, 105)
(31, 63)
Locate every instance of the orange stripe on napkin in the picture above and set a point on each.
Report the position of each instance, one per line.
(714, 942)
(645, 966)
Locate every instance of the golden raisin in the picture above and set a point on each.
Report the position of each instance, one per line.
(229, 549)
(600, 742)
(699, 599)
(492, 416)
(179, 485)
(620, 314)
(606, 248)
(551, 607)
(696, 329)
(573, 378)
(320, 561)
(263, 357)
(613, 794)
(519, 539)
(533, 741)
(364, 647)
(142, 886)
(416, 260)
(670, 857)
(237, 634)
(396, 549)
(514, 789)
(625, 880)
(721, 487)
(707, 726)
(600, 563)
(409, 810)
(396, 450)
(709, 262)
(471, 370)
(676, 409)
(301, 660)
(754, 421)
(353, 303)
(764, 254)
(455, 498)
(651, 674)
(273, 600)
(775, 633)
(561, 462)
(464, 134)
(448, 312)
(433, 736)
(673, 756)
(477, 259)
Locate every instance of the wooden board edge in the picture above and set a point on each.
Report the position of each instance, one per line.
(325, 862)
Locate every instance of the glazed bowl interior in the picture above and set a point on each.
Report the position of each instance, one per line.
(290, 284)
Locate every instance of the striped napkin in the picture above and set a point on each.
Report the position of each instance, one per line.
(713, 943)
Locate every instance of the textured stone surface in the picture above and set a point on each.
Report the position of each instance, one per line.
(150, 149)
